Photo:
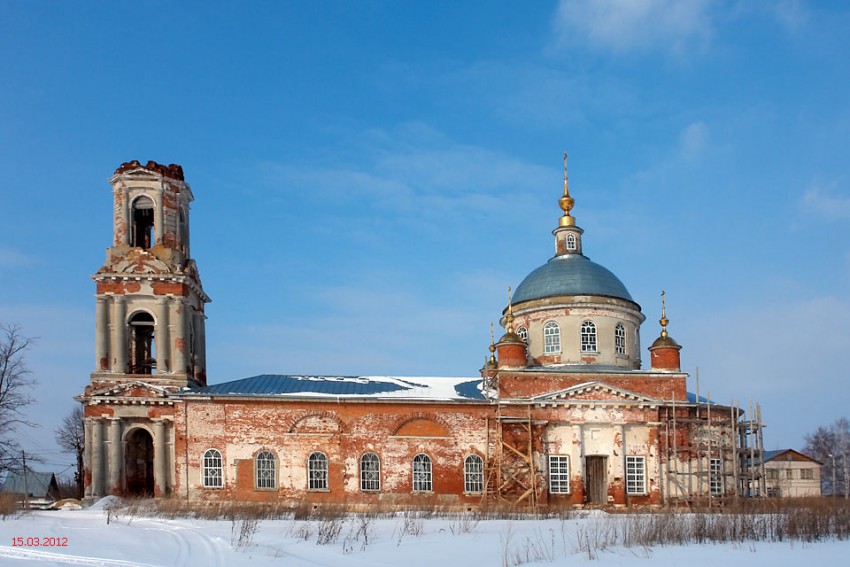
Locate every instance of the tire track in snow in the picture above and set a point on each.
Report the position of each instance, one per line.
(60, 558)
(187, 555)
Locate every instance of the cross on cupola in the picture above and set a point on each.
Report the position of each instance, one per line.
(567, 235)
(665, 351)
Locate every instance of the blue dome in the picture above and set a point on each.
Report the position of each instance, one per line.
(570, 274)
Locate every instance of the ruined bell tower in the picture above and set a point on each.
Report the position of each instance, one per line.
(149, 340)
(150, 302)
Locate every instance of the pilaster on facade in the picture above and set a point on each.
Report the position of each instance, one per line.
(116, 454)
(161, 435)
(98, 473)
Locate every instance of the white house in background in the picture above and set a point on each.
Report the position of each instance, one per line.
(789, 473)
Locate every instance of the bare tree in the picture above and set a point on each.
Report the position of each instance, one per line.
(71, 436)
(831, 446)
(15, 386)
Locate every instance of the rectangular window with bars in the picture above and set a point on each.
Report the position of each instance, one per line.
(559, 474)
(715, 469)
(635, 475)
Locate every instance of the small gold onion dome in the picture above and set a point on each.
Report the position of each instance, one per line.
(511, 337)
(665, 341)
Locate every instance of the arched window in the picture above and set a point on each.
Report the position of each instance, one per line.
(264, 470)
(142, 344)
(370, 472)
(473, 474)
(571, 242)
(211, 472)
(588, 337)
(422, 479)
(523, 334)
(317, 471)
(551, 338)
(620, 339)
(142, 229)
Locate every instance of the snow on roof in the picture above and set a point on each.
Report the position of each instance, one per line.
(352, 387)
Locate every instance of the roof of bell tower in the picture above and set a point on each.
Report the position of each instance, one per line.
(173, 171)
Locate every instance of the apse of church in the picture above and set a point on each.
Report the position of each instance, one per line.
(562, 414)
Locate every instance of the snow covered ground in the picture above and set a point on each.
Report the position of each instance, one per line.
(97, 537)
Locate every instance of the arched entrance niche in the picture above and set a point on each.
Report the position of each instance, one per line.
(138, 463)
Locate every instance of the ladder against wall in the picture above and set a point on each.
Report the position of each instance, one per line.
(512, 477)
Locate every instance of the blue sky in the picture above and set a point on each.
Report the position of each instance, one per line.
(370, 177)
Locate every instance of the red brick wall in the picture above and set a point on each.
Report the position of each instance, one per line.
(291, 430)
(527, 384)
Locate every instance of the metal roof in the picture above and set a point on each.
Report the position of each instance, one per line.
(34, 484)
(277, 385)
(570, 274)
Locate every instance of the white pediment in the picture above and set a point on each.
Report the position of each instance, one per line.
(595, 393)
(136, 390)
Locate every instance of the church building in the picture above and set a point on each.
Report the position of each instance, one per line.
(563, 414)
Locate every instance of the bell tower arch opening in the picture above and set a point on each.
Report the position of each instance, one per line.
(142, 223)
(138, 463)
(142, 344)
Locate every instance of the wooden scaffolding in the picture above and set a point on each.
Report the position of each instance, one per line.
(512, 475)
(711, 452)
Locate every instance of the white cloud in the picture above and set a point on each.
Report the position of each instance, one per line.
(634, 25)
(414, 170)
(820, 198)
(694, 140)
(13, 259)
(791, 13)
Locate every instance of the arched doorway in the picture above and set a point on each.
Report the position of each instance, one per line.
(138, 463)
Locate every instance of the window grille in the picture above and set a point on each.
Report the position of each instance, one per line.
(370, 472)
(264, 468)
(551, 338)
(559, 474)
(620, 339)
(317, 471)
(635, 475)
(588, 337)
(422, 478)
(212, 469)
(473, 474)
(716, 477)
